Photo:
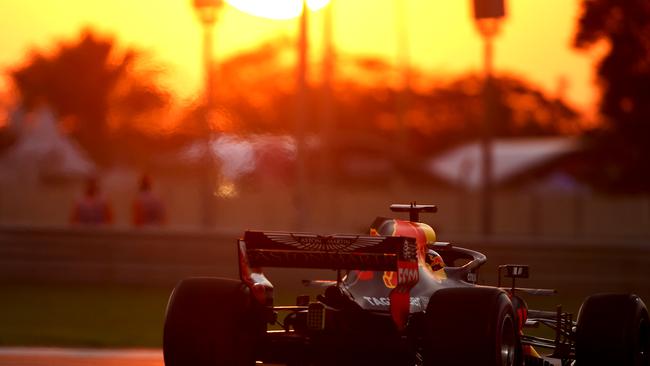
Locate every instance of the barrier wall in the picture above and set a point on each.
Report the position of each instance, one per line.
(77, 255)
(162, 257)
(344, 208)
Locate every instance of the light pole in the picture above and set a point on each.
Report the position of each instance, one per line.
(403, 96)
(207, 13)
(487, 14)
(328, 113)
(301, 117)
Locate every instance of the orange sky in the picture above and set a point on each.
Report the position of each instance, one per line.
(535, 41)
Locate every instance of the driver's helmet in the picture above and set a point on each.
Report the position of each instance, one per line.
(421, 232)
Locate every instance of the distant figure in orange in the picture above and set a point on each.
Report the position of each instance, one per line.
(92, 208)
(148, 208)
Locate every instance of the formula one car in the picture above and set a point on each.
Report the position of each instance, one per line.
(400, 298)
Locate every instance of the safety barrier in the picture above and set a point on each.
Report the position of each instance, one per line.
(162, 257)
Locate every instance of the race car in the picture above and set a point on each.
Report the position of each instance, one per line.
(400, 298)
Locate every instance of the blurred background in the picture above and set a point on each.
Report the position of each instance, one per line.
(138, 140)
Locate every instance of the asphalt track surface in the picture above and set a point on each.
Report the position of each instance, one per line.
(19, 356)
(79, 357)
(26, 356)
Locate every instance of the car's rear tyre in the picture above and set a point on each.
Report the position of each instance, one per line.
(470, 326)
(613, 329)
(209, 323)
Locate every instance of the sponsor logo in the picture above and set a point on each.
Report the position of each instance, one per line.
(409, 250)
(407, 275)
(385, 301)
(390, 280)
(471, 277)
(326, 243)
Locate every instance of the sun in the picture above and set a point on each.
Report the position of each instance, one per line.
(276, 9)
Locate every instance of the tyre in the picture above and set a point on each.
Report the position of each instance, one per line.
(470, 326)
(209, 323)
(613, 329)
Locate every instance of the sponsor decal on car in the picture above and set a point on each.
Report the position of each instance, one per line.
(408, 274)
(390, 279)
(471, 277)
(325, 243)
(385, 301)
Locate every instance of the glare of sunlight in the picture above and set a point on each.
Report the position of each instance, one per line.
(315, 5)
(276, 9)
(226, 190)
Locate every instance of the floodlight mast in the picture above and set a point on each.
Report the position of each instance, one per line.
(302, 46)
(488, 14)
(207, 13)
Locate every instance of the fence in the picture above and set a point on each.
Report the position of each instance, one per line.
(563, 217)
(162, 257)
(71, 255)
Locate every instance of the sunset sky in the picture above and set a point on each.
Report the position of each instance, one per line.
(535, 41)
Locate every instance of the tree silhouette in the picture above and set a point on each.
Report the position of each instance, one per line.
(255, 93)
(622, 148)
(80, 81)
(256, 88)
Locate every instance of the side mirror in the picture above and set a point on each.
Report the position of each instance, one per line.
(516, 270)
(513, 271)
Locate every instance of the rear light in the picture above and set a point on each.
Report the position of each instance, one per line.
(316, 316)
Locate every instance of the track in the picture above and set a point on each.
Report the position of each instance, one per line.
(19, 356)
(27, 356)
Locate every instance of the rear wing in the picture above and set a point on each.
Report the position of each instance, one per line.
(347, 252)
(259, 249)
